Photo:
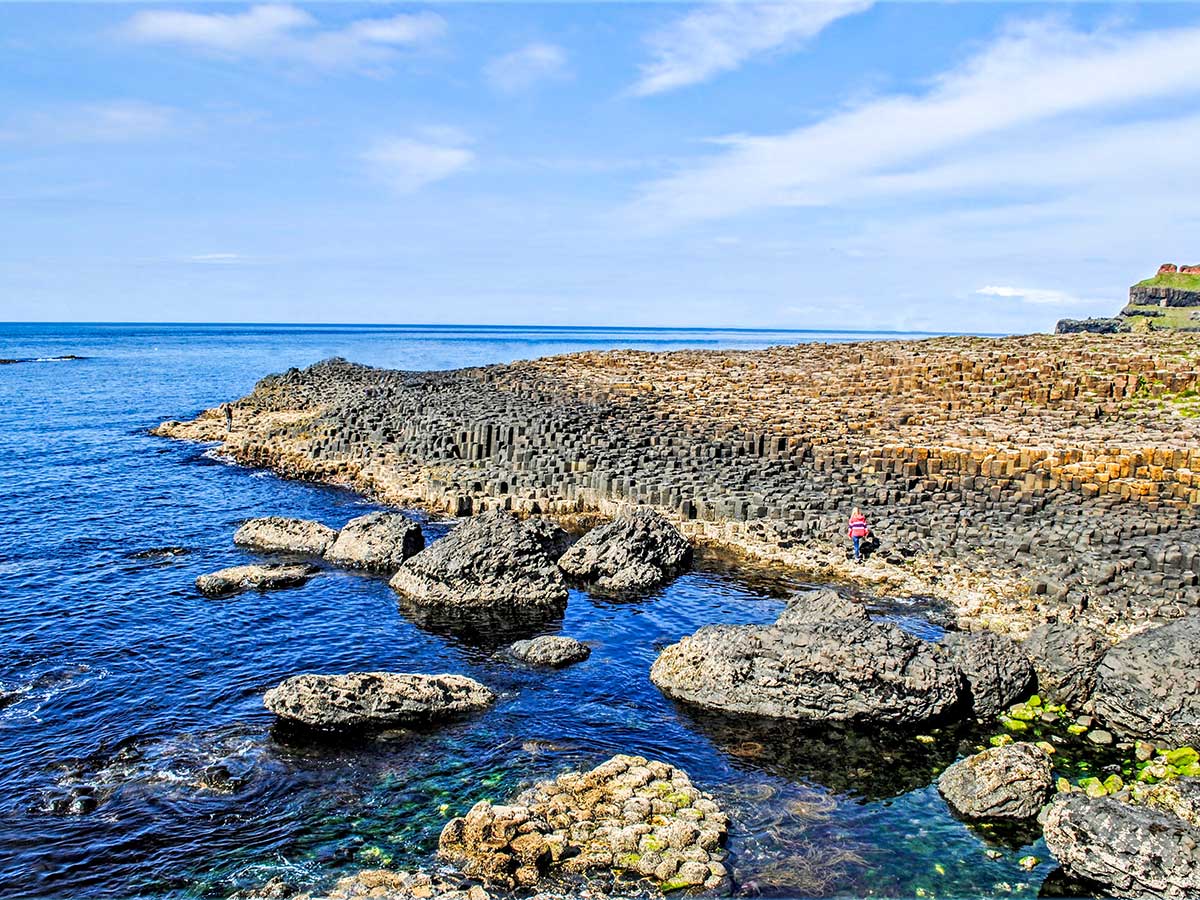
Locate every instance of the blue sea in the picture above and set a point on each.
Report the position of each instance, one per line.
(137, 760)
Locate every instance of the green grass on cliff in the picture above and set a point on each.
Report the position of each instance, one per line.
(1184, 282)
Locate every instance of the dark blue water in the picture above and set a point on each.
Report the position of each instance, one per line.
(136, 758)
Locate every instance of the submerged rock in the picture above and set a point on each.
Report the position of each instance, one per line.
(629, 814)
(237, 579)
(831, 671)
(1065, 658)
(997, 670)
(635, 551)
(550, 650)
(1011, 782)
(362, 700)
(493, 560)
(378, 542)
(275, 534)
(1148, 686)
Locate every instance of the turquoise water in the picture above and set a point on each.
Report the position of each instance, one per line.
(136, 759)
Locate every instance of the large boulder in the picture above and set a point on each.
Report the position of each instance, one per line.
(554, 651)
(363, 700)
(236, 579)
(814, 607)
(997, 670)
(843, 670)
(378, 542)
(1132, 849)
(1065, 656)
(1148, 686)
(492, 560)
(1011, 782)
(634, 552)
(275, 534)
(640, 817)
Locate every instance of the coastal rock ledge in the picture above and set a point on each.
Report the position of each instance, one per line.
(363, 700)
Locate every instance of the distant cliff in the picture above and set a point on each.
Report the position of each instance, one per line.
(1170, 301)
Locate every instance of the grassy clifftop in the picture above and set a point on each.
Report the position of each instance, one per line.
(1179, 280)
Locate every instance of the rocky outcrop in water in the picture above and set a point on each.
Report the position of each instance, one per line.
(1148, 685)
(845, 670)
(1065, 657)
(634, 552)
(815, 607)
(276, 534)
(237, 579)
(997, 670)
(492, 560)
(1011, 782)
(553, 651)
(363, 700)
(629, 814)
(391, 884)
(378, 542)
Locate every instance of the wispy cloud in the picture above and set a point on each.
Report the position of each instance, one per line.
(1039, 296)
(92, 123)
(286, 33)
(719, 37)
(984, 124)
(407, 164)
(525, 67)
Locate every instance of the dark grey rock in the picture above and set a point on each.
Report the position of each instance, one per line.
(237, 579)
(1148, 686)
(553, 539)
(1091, 326)
(379, 542)
(635, 551)
(550, 650)
(1065, 658)
(814, 607)
(997, 670)
(275, 534)
(1011, 782)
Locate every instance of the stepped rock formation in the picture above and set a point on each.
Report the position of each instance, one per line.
(1018, 478)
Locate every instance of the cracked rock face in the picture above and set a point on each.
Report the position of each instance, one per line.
(275, 534)
(1148, 685)
(554, 651)
(378, 542)
(629, 814)
(493, 560)
(237, 579)
(844, 670)
(636, 551)
(1010, 782)
(1130, 849)
(362, 700)
(997, 670)
(1065, 658)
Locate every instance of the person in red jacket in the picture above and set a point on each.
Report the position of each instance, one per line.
(857, 531)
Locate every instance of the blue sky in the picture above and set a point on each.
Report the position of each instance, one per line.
(968, 167)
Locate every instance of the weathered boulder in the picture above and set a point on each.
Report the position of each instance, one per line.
(1148, 686)
(374, 699)
(492, 560)
(635, 551)
(1065, 656)
(831, 671)
(237, 579)
(1011, 782)
(1133, 850)
(554, 539)
(814, 607)
(997, 670)
(550, 650)
(628, 814)
(391, 884)
(276, 534)
(378, 541)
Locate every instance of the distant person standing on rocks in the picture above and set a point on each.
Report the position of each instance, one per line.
(228, 418)
(857, 531)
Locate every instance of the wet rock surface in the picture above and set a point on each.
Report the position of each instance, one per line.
(365, 700)
(1065, 657)
(378, 542)
(1148, 685)
(1011, 782)
(997, 670)
(628, 815)
(553, 651)
(636, 551)
(236, 579)
(492, 560)
(389, 884)
(276, 534)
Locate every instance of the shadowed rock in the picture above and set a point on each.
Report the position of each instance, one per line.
(378, 542)
(275, 534)
(1065, 658)
(374, 699)
(1010, 782)
(634, 552)
(997, 670)
(554, 651)
(237, 579)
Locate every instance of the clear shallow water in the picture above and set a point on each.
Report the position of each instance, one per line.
(136, 758)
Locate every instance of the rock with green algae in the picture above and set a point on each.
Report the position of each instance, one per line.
(996, 669)
(388, 884)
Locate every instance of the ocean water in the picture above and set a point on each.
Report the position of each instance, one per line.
(136, 759)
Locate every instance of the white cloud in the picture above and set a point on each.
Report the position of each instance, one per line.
(115, 121)
(407, 164)
(286, 33)
(1040, 296)
(719, 37)
(525, 67)
(995, 115)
